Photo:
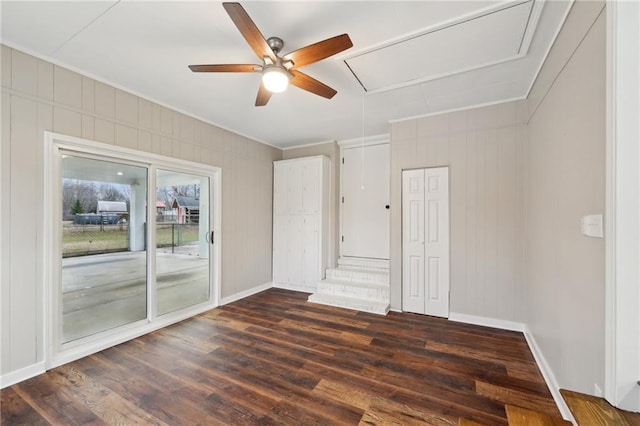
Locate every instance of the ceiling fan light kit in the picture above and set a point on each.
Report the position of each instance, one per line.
(275, 78)
(278, 71)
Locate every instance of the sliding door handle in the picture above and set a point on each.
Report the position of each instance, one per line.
(209, 237)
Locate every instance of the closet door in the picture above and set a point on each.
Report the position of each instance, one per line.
(413, 297)
(425, 240)
(311, 236)
(294, 183)
(311, 186)
(437, 241)
(295, 250)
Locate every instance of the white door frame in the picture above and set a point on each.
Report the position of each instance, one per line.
(622, 218)
(56, 354)
(357, 143)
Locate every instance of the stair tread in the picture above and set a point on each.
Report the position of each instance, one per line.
(377, 271)
(355, 261)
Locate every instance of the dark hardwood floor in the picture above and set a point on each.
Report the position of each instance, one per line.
(273, 358)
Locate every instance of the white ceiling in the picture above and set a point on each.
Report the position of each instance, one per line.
(419, 57)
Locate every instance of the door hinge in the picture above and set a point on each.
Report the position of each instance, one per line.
(343, 199)
(343, 238)
(342, 160)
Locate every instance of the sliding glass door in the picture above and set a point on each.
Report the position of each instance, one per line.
(182, 239)
(132, 242)
(104, 257)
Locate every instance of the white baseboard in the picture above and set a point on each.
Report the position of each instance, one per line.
(487, 322)
(545, 369)
(245, 293)
(301, 288)
(22, 374)
(549, 377)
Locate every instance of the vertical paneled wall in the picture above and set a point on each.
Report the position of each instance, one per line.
(565, 165)
(484, 149)
(39, 96)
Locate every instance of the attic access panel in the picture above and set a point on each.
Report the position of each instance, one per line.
(469, 43)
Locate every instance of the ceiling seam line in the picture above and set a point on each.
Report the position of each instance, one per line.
(433, 31)
(84, 28)
(526, 27)
(584, 36)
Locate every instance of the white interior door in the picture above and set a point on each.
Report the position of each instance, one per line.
(425, 232)
(413, 299)
(365, 204)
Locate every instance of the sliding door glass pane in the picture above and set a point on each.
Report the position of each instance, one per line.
(104, 263)
(182, 234)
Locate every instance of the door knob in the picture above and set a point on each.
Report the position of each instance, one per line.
(387, 207)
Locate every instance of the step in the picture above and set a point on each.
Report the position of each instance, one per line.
(518, 416)
(363, 290)
(361, 262)
(357, 274)
(372, 306)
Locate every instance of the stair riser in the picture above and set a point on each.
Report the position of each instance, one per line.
(357, 276)
(372, 308)
(381, 294)
(364, 263)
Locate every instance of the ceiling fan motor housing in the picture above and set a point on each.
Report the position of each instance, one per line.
(275, 43)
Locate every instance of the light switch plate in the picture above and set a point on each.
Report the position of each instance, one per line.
(592, 226)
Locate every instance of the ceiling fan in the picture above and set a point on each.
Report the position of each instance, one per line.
(278, 71)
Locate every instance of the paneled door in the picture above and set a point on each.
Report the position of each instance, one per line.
(365, 202)
(425, 241)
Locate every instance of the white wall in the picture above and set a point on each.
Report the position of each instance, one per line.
(39, 96)
(565, 166)
(484, 149)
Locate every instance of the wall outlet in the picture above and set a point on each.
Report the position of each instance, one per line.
(596, 390)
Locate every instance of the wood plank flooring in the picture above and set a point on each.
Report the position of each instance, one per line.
(273, 358)
(591, 410)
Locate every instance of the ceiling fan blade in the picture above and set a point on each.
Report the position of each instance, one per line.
(263, 96)
(318, 51)
(310, 84)
(224, 68)
(249, 30)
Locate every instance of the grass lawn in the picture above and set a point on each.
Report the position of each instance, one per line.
(90, 239)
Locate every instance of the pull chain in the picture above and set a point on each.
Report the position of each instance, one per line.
(362, 146)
